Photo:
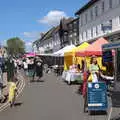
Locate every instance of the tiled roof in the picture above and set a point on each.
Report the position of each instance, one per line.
(57, 29)
(48, 34)
(89, 4)
(75, 19)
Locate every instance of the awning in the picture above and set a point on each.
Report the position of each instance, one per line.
(63, 50)
(72, 52)
(30, 55)
(94, 49)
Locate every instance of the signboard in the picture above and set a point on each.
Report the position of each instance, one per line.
(107, 26)
(107, 56)
(97, 96)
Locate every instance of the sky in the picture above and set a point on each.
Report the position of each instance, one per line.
(26, 19)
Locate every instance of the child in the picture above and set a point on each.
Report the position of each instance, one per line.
(12, 93)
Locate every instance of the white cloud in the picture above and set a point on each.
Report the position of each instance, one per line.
(28, 45)
(53, 17)
(32, 34)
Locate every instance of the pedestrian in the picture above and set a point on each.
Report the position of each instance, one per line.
(31, 67)
(10, 69)
(12, 93)
(25, 66)
(15, 65)
(38, 68)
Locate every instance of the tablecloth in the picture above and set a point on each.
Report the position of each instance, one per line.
(71, 77)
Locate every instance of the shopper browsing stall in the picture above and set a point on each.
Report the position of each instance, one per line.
(93, 70)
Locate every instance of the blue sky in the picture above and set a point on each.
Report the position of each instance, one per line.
(28, 18)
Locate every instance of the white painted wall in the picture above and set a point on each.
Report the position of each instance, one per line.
(108, 14)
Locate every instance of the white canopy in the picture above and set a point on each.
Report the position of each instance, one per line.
(63, 50)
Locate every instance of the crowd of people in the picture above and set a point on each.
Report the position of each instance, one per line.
(10, 66)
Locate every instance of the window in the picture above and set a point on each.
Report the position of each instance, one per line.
(86, 34)
(103, 6)
(96, 30)
(96, 11)
(91, 14)
(86, 17)
(107, 26)
(91, 32)
(110, 3)
(119, 19)
(81, 20)
(82, 36)
(75, 23)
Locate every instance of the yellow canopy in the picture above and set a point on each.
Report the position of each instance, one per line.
(69, 57)
(75, 49)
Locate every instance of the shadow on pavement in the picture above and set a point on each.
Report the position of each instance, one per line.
(18, 104)
(33, 81)
(94, 113)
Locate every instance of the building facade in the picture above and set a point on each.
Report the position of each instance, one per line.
(99, 18)
(59, 36)
(73, 31)
(45, 44)
(63, 32)
(56, 39)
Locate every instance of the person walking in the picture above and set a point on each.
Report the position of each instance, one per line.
(12, 93)
(31, 69)
(25, 66)
(10, 69)
(38, 68)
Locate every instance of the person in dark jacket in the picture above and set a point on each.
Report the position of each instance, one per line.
(38, 68)
(10, 69)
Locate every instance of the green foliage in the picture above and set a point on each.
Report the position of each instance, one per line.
(15, 46)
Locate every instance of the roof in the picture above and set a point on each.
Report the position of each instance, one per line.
(75, 19)
(48, 34)
(57, 29)
(64, 23)
(86, 6)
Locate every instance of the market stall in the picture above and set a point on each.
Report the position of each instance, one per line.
(92, 52)
(94, 49)
(69, 56)
(59, 59)
(111, 57)
(70, 60)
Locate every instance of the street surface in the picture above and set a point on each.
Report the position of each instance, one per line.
(51, 99)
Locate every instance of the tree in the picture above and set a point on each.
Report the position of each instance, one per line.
(15, 46)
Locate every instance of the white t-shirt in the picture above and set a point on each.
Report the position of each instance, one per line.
(25, 65)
